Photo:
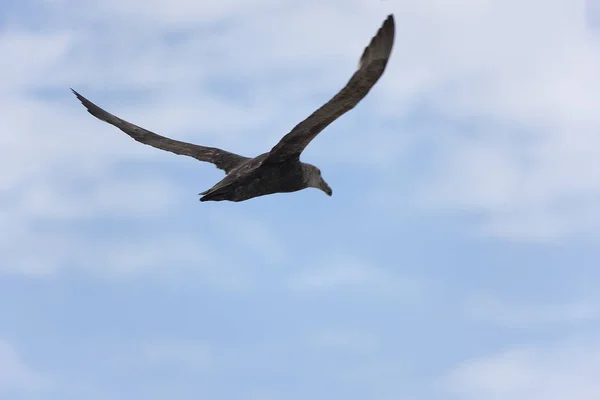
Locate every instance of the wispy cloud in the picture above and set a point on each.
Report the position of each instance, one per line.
(518, 138)
(193, 355)
(559, 371)
(345, 340)
(487, 113)
(492, 310)
(17, 378)
(352, 275)
(529, 153)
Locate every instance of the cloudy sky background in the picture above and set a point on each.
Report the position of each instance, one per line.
(457, 259)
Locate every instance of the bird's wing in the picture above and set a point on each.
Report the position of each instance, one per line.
(370, 68)
(222, 159)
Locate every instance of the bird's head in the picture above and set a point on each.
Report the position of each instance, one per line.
(314, 179)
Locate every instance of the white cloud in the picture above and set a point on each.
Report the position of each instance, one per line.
(166, 258)
(560, 371)
(183, 12)
(502, 96)
(544, 189)
(516, 84)
(18, 377)
(62, 166)
(189, 354)
(493, 310)
(252, 234)
(529, 167)
(352, 275)
(32, 56)
(346, 340)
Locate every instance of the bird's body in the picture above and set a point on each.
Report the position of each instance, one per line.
(252, 178)
(279, 170)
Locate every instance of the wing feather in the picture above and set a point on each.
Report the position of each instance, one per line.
(371, 66)
(222, 159)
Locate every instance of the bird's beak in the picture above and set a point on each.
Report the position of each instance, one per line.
(325, 187)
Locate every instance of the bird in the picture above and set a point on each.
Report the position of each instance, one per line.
(280, 169)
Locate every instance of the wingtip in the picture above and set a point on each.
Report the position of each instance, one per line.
(381, 43)
(390, 21)
(76, 94)
(89, 106)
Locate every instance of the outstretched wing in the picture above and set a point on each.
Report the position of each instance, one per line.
(370, 68)
(222, 159)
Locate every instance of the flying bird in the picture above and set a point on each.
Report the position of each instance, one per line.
(279, 170)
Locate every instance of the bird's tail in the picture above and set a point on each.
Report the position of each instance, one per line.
(213, 195)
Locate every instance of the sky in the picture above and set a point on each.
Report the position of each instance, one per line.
(457, 258)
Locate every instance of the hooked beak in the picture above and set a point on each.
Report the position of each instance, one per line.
(325, 187)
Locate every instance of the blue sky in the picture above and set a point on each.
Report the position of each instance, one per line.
(457, 259)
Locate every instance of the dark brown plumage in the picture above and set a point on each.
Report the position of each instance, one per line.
(279, 170)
